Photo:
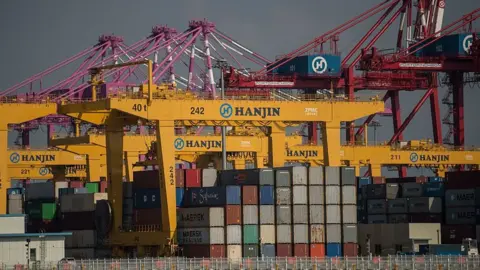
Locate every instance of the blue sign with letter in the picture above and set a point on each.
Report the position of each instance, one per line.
(226, 110)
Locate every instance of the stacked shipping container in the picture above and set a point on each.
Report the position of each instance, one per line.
(349, 212)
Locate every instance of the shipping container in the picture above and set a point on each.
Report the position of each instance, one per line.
(234, 234)
(452, 45)
(432, 179)
(268, 251)
(250, 195)
(461, 215)
(284, 234)
(364, 181)
(179, 192)
(233, 214)
(36, 191)
(209, 196)
(201, 251)
(283, 178)
(250, 251)
(377, 206)
(58, 186)
(332, 176)
(267, 234)
(300, 214)
(300, 234)
(42, 226)
(75, 184)
(334, 250)
(147, 216)
(425, 218)
(401, 180)
(376, 191)
(233, 194)
(234, 252)
(15, 204)
(347, 175)
(393, 191)
(201, 217)
(267, 214)
(349, 195)
(317, 214)
(103, 186)
(349, 233)
(315, 176)
(459, 197)
(193, 178)
(214, 235)
(146, 198)
(283, 196)
(80, 202)
(376, 219)
(398, 218)
(81, 239)
(41, 209)
(421, 179)
(180, 178)
(425, 205)
(250, 234)
(77, 220)
(304, 65)
(317, 251)
(333, 233)
(397, 206)
(209, 177)
(284, 250)
(267, 196)
(332, 194)
(301, 250)
(349, 214)
(284, 214)
(18, 190)
(454, 234)
(433, 189)
(411, 190)
(316, 195)
(247, 177)
(350, 249)
(146, 179)
(333, 214)
(378, 180)
(317, 233)
(300, 195)
(250, 214)
(92, 187)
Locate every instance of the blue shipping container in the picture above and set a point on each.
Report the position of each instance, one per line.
(433, 189)
(17, 190)
(450, 45)
(180, 192)
(317, 65)
(268, 250)
(206, 196)
(435, 179)
(334, 250)
(442, 249)
(146, 198)
(363, 181)
(233, 195)
(267, 196)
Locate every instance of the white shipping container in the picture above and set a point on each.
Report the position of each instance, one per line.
(317, 214)
(284, 234)
(332, 176)
(267, 214)
(300, 195)
(349, 213)
(234, 234)
(349, 195)
(250, 214)
(332, 194)
(201, 236)
(299, 175)
(209, 177)
(58, 186)
(316, 195)
(84, 202)
(300, 234)
(267, 234)
(234, 251)
(44, 190)
(284, 196)
(317, 233)
(200, 217)
(81, 239)
(12, 224)
(333, 214)
(315, 175)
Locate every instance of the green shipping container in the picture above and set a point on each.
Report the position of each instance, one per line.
(92, 187)
(250, 234)
(41, 210)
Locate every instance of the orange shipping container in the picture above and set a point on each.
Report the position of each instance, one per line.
(250, 195)
(301, 250)
(317, 250)
(233, 215)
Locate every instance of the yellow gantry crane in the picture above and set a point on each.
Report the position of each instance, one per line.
(173, 109)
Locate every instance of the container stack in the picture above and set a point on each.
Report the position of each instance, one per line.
(301, 241)
(283, 194)
(349, 212)
(15, 201)
(41, 207)
(179, 186)
(267, 212)
(333, 210)
(146, 201)
(316, 201)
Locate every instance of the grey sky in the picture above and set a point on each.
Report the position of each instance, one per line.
(37, 34)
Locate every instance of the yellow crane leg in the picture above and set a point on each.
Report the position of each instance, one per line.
(331, 143)
(239, 164)
(4, 180)
(277, 146)
(94, 167)
(375, 170)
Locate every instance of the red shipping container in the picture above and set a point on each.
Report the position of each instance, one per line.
(350, 250)
(193, 178)
(378, 180)
(103, 186)
(284, 250)
(75, 184)
(217, 251)
(422, 179)
(151, 216)
(234, 214)
(301, 250)
(180, 178)
(317, 250)
(146, 179)
(426, 218)
(250, 195)
(454, 234)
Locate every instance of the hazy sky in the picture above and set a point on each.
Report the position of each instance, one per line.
(37, 34)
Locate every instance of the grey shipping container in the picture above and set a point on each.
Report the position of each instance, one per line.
(378, 191)
(284, 214)
(315, 176)
(234, 234)
(425, 205)
(398, 218)
(334, 233)
(349, 195)
(393, 191)
(284, 234)
(209, 177)
(267, 177)
(317, 233)
(411, 190)
(459, 197)
(300, 234)
(460, 215)
(299, 175)
(267, 234)
(283, 178)
(45, 190)
(250, 251)
(376, 206)
(347, 175)
(332, 176)
(316, 195)
(376, 219)
(300, 195)
(283, 195)
(214, 235)
(332, 195)
(350, 233)
(300, 214)
(267, 214)
(349, 214)
(200, 217)
(250, 214)
(317, 214)
(397, 206)
(333, 214)
(15, 204)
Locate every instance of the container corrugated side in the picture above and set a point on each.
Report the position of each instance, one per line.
(214, 235)
(81, 202)
(347, 176)
(376, 219)
(284, 214)
(317, 214)
(397, 206)
(58, 186)
(425, 205)
(234, 234)
(15, 204)
(267, 214)
(299, 175)
(234, 252)
(267, 196)
(459, 197)
(200, 217)
(332, 195)
(267, 234)
(283, 196)
(316, 195)
(250, 234)
(300, 214)
(332, 176)
(250, 195)
(317, 233)
(411, 190)
(300, 195)
(460, 215)
(393, 191)
(377, 206)
(376, 191)
(300, 234)
(283, 178)
(250, 251)
(209, 177)
(268, 250)
(349, 214)
(233, 214)
(315, 176)
(350, 233)
(208, 196)
(333, 250)
(284, 234)
(250, 214)
(35, 191)
(334, 233)
(334, 214)
(398, 218)
(349, 195)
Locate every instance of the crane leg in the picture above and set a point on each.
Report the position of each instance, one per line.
(239, 164)
(4, 181)
(331, 143)
(277, 144)
(93, 171)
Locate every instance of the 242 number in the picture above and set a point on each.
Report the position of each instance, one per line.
(170, 175)
(139, 108)
(197, 110)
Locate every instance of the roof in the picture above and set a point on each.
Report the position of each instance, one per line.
(10, 235)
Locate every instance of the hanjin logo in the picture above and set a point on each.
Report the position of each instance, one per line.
(467, 43)
(179, 143)
(226, 110)
(319, 65)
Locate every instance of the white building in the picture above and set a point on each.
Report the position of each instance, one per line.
(18, 247)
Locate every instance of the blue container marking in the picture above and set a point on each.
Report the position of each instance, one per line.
(267, 196)
(363, 181)
(206, 196)
(435, 179)
(433, 189)
(317, 65)
(11, 191)
(146, 198)
(268, 250)
(334, 250)
(180, 193)
(233, 195)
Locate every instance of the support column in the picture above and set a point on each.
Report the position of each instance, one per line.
(4, 179)
(375, 170)
(435, 113)
(397, 123)
(25, 137)
(166, 166)
(93, 168)
(277, 146)
(259, 162)
(331, 143)
(350, 93)
(239, 164)
(458, 111)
